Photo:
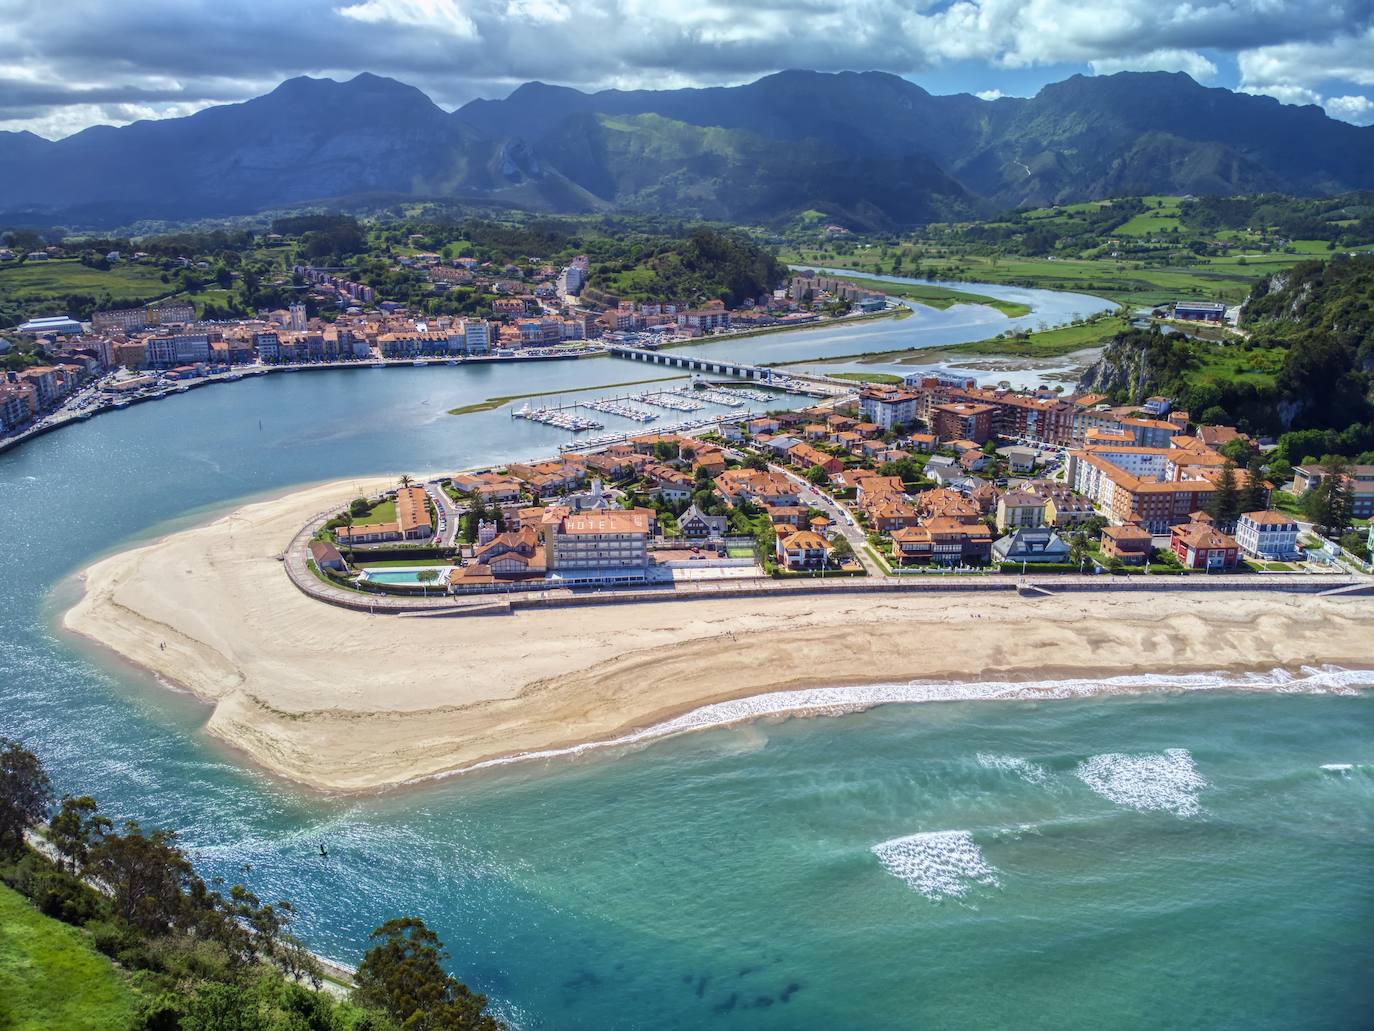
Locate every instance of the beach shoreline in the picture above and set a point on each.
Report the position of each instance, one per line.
(341, 701)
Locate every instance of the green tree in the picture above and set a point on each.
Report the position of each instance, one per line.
(1079, 545)
(77, 826)
(1357, 544)
(1254, 494)
(1224, 507)
(25, 792)
(147, 876)
(817, 475)
(1329, 504)
(402, 974)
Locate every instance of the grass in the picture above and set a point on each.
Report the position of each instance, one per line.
(208, 295)
(1127, 280)
(497, 402)
(870, 377)
(1282, 501)
(940, 297)
(1222, 363)
(382, 512)
(1154, 220)
(1049, 343)
(37, 286)
(51, 977)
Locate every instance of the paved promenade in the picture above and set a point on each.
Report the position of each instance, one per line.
(499, 602)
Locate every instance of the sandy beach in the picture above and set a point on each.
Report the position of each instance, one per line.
(344, 701)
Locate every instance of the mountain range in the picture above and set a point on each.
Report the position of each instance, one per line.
(869, 150)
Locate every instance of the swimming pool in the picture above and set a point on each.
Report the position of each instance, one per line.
(408, 576)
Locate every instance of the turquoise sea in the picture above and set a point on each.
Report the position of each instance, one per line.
(1162, 860)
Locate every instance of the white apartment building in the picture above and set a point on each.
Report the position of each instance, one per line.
(1268, 535)
(888, 408)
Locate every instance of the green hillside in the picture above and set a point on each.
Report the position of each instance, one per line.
(705, 265)
(51, 976)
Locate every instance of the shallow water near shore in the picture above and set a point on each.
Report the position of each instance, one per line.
(1176, 859)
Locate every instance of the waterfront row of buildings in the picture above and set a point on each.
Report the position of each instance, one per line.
(961, 409)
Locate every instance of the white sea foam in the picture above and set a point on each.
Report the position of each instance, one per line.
(836, 700)
(1167, 781)
(1031, 773)
(938, 864)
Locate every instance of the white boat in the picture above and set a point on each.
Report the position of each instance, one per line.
(420, 362)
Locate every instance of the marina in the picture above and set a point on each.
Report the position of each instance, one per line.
(613, 407)
(560, 418)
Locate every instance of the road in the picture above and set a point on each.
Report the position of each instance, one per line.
(839, 519)
(449, 514)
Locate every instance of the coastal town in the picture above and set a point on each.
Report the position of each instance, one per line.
(896, 484)
(122, 356)
(882, 480)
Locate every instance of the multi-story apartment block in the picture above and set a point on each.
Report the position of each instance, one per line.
(165, 352)
(1141, 485)
(888, 408)
(598, 540)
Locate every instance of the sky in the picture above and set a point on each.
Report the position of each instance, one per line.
(69, 64)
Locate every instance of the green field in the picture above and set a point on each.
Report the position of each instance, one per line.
(1223, 363)
(1148, 280)
(217, 296)
(940, 297)
(51, 977)
(1162, 217)
(41, 281)
(1049, 343)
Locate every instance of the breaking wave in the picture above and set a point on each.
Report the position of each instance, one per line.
(837, 700)
(1151, 781)
(1031, 773)
(938, 864)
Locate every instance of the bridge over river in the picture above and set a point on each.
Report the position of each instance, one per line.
(793, 382)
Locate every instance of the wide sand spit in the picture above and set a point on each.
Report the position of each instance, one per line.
(345, 701)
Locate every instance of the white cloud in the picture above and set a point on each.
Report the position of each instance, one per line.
(990, 94)
(1284, 92)
(1190, 61)
(63, 120)
(1347, 57)
(433, 15)
(1359, 110)
(539, 12)
(69, 61)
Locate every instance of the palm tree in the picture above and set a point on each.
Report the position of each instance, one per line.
(406, 481)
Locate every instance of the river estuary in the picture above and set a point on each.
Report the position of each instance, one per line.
(1163, 860)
